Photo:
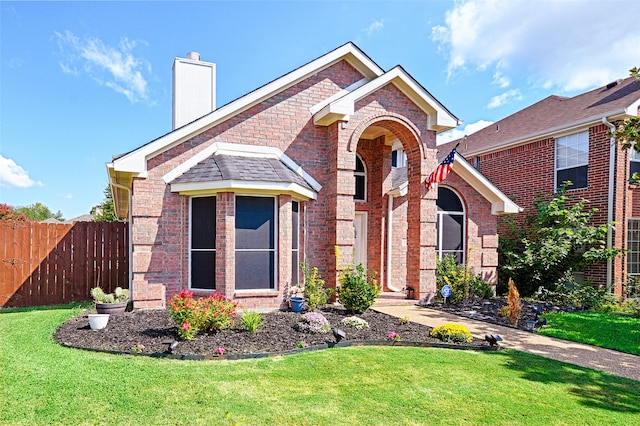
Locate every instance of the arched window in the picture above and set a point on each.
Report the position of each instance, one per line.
(450, 225)
(361, 180)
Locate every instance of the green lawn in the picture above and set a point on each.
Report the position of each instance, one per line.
(606, 330)
(44, 383)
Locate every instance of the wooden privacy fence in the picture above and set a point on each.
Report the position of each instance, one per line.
(51, 263)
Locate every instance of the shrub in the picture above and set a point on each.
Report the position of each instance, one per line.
(313, 323)
(315, 293)
(191, 315)
(515, 309)
(355, 322)
(404, 320)
(252, 320)
(570, 292)
(358, 289)
(460, 280)
(452, 333)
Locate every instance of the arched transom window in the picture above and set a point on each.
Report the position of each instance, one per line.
(450, 225)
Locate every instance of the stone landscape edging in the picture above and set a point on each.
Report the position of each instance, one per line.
(234, 357)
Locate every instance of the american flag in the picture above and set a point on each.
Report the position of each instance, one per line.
(442, 171)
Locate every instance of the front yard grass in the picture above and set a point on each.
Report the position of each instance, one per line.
(606, 330)
(44, 383)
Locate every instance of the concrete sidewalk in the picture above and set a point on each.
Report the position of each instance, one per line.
(614, 362)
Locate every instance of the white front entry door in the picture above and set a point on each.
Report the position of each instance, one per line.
(360, 241)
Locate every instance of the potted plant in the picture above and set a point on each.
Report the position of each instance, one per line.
(296, 300)
(110, 303)
(98, 321)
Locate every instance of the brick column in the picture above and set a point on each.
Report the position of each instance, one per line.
(225, 243)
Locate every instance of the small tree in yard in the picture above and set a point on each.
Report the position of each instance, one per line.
(557, 237)
(627, 132)
(515, 309)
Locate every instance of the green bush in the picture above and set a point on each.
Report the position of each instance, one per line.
(355, 322)
(569, 292)
(456, 276)
(315, 293)
(452, 333)
(191, 315)
(252, 321)
(358, 289)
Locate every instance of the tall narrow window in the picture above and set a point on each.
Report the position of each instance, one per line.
(295, 243)
(361, 180)
(634, 157)
(203, 243)
(572, 160)
(633, 247)
(255, 243)
(450, 225)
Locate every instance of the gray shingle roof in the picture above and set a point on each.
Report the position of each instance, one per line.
(550, 114)
(398, 177)
(233, 167)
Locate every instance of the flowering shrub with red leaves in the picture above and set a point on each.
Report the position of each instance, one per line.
(8, 213)
(215, 312)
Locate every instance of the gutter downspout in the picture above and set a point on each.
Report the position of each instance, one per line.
(612, 153)
(129, 217)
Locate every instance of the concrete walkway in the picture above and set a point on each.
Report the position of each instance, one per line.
(614, 362)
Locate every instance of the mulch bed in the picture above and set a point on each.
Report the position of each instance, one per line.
(153, 328)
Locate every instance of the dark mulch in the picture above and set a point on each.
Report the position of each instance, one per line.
(151, 328)
(488, 310)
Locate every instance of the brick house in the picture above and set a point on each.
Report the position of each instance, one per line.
(557, 139)
(334, 153)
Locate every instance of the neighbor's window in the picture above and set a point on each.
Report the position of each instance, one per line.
(572, 160)
(361, 180)
(633, 245)
(634, 161)
(295, 243)
(450, 225)
(203, 243)
(255, 243)
(398, 158)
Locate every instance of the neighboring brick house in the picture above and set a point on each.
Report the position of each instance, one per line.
(557, 139)
(334, 153)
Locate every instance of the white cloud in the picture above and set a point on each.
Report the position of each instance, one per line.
(14, 176)
(375, 26)
(454, 134)
(561, 45)
(505, 98)
(113, 67)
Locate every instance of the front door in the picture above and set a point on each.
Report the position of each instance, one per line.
(360, 240)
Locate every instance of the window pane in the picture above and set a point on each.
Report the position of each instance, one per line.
(295, 268)
(634, 168)
(451, 232)
(255, 222)
(203, 269)
(360, 190)
(203, 223)
(577, 176)
(394, 158)
(255, 270)
(572, 150)
(359, 165)
(295, 223)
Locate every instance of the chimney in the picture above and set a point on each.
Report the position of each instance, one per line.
(194, 89)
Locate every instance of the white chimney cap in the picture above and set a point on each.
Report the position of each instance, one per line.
(194, 56)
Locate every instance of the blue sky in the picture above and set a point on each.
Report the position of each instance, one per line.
(83, 81)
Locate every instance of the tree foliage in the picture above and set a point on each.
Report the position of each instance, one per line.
(557, 237)
(627, 132)
(38, 212)
(105, 211)
(8, 213)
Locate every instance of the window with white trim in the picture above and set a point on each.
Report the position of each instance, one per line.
(633, 247)
(255, 243)
(295, 243)
(572, 160)
(634, 162)
(360, 174)
(398, 158)
(202, 250)
(450, 225)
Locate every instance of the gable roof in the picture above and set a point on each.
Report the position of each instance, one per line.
(554, 115)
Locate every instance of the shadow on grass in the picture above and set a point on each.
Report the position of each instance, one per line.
(596, 389)
(74, 305)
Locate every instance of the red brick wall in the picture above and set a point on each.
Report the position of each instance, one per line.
(525, 171)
